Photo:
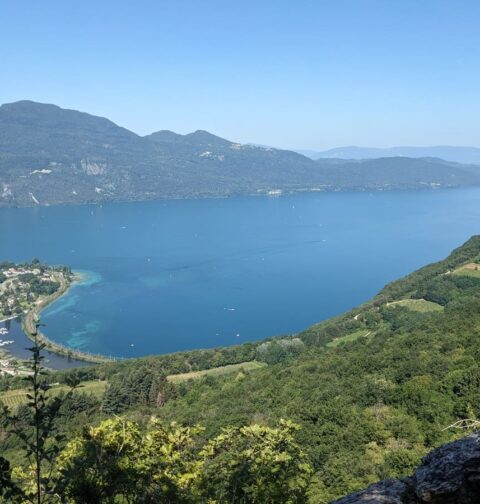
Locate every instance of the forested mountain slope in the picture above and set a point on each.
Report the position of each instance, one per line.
(50, 155)
(372, 390)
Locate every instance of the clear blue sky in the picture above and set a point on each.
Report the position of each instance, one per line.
(293, 74)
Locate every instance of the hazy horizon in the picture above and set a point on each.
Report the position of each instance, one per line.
(304, 149)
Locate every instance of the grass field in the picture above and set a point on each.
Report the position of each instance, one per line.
(418, 305)
(15, 398)
(471, 269)
(247, 366)
(362, 333)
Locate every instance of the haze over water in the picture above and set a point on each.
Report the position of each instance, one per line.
(174, 275)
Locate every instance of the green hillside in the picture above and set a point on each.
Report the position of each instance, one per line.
(18, 397)
(50, 155)
(372, 390)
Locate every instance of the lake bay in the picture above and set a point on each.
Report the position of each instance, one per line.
(173, 275)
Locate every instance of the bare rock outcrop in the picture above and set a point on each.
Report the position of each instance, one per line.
(448, 475)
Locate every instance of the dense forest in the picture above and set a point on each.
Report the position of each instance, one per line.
(347, 402)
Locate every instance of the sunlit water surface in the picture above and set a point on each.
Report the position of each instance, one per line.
(173, 275)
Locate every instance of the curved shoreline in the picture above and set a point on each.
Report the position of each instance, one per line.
(31, 318)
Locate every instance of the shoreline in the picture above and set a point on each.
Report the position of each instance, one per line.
(31, 318)
(258, 193)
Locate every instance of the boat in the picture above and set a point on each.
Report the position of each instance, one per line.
(275, 192)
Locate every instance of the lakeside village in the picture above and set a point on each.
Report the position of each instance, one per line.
(24, 288)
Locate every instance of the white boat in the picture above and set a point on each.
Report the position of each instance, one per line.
(275, 192)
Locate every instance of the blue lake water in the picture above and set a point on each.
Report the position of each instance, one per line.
(174, 275)
(18, 344)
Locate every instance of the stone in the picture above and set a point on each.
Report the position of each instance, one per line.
(448, 475)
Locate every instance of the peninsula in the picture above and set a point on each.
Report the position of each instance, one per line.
(25, 290)
(27, 287)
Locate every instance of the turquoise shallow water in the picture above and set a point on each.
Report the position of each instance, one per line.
(173, 275)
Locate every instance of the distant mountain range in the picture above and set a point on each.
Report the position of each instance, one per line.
(448, 153)
(50, 155)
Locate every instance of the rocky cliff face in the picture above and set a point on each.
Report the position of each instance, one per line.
(448, 475)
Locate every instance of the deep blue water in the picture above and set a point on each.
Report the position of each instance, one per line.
(166, 276)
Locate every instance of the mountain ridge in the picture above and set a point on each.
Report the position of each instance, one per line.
(458, 154)
(50, 155)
